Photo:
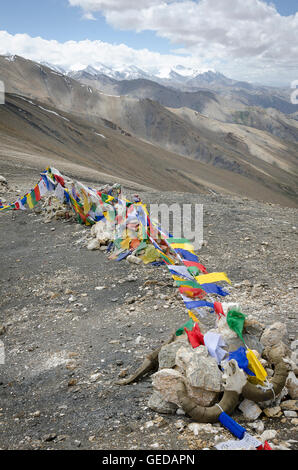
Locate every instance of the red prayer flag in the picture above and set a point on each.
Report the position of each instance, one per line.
(59, 179)
(192, 292)
(264, 446)
(195, 336)
(197, 265)
(218, 309)
(37, 193)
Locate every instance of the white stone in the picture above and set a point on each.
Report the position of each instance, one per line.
(290, 414)
(194, 427)
(258, 426)
(268, 435)
(134, 259)
(250, 409)
(93, 245)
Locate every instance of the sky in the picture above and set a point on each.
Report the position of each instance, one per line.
(252, 40)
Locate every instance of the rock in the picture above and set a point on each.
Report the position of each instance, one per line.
(102, 232)
(123, 373)
(183, 357)
(292, 385)
(273, 412)
(94, 377)
(194, 427)
(253, 327)
(167, 355)
(233, 343)
(203, 371)
(268, 435)
(158, 404)
(140, 340)
(274, 334)
(223, 328)
(289, 405)
(258, 426)
(2, 330)
(202, 427)
(93, 245)
(290, 414)
(165, 381)
(3, 180)
(250, 409)
(49, 437)
(198, 380)
(134, 259)
(202, 397)
(180, 425)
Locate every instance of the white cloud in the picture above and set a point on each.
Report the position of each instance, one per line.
(75, 55)
(231, 29)
(88, 16)
(246, 40)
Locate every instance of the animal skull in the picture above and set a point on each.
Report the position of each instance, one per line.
(233, 377)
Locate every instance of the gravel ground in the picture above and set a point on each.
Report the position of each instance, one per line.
(72, 321)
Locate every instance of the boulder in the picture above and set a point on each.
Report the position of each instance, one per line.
(274, 334)
(165, 381)
(203, 372)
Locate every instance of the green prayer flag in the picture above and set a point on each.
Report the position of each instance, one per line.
(235, 320)
(189, 283)
(189, 325)
(194, 271)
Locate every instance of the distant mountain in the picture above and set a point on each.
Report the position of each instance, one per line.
(234, 149)
(128, 73)
(55, 68)
(135, 82)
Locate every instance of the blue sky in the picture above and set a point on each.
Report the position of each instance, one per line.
(249, 39)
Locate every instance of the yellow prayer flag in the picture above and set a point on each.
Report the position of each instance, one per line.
(192, 316)
(212, 277)
(256, 367)
(125, 243)
(30, 201)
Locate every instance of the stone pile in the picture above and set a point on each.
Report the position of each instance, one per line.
(203, 376)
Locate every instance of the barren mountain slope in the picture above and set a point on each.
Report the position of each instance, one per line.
(35, 135)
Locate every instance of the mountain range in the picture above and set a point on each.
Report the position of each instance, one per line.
(225, 137)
